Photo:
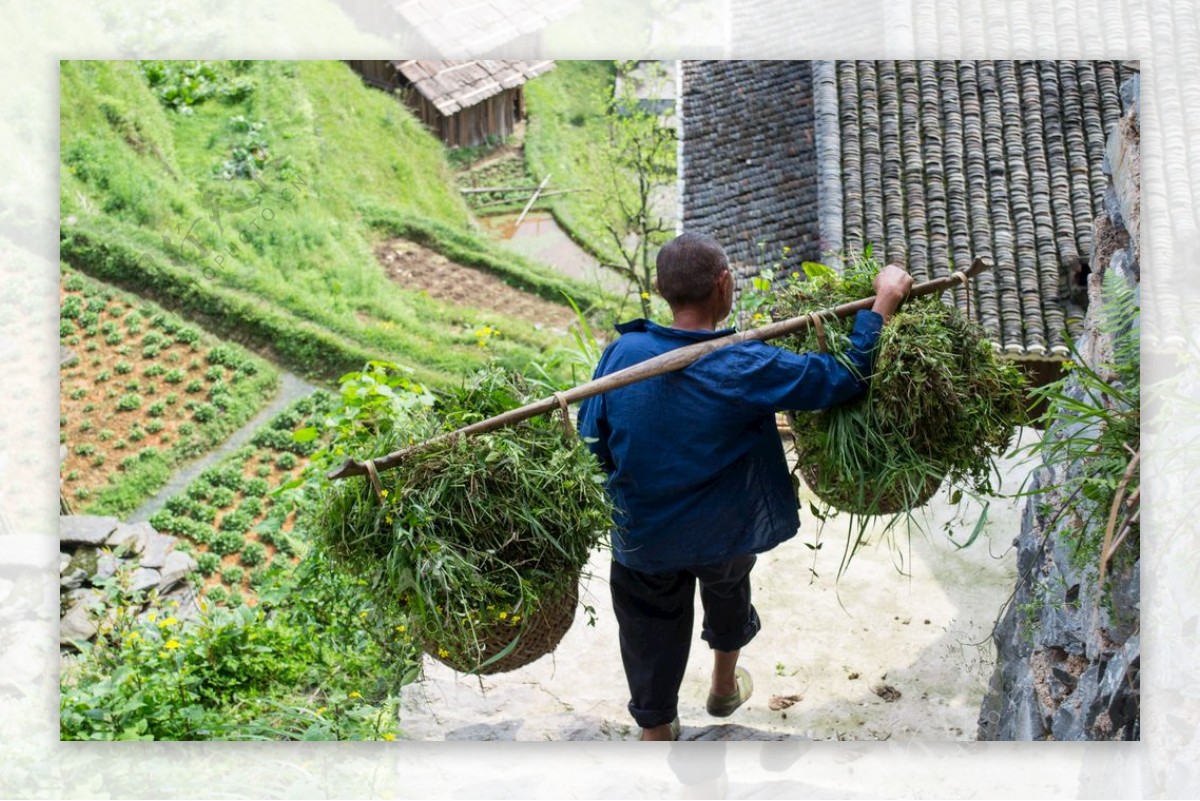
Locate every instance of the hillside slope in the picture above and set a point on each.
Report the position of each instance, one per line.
(252, 195)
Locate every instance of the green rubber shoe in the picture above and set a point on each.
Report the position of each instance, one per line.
(722, 706)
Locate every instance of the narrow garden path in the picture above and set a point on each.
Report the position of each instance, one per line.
(292, 387)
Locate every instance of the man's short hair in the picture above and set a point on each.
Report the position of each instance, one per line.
(688, 267)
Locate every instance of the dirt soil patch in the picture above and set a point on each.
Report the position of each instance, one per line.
(420, 269)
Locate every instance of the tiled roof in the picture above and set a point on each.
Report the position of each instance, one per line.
(749, 166)
(467, 28)
(454, 85)
(945, 161)
(933, 162)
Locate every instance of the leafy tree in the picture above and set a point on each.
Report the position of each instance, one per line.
(639, 164)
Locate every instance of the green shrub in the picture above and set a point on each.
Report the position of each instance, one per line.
(129, 402)
(232, 574)
(154, 426)
(205, 412)
(123, 367)
(154, 370)
(217, 595)
(207, 563)
(257, 487)
(227, 542)
(253, 554)
(103, 376)
(214, 373)
(236, 521)
(157, 409)
(222, 497)
(286, 461)
(71, 308)
(187, 336)
(84, 449)
(174, 376)
(74, 283)
(194, 386)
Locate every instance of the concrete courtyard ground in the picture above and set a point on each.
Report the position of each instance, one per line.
(876, 655)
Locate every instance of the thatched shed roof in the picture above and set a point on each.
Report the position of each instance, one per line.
(452, 86)
(933, 163)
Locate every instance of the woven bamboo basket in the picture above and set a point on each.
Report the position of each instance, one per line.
(536, 635)
(847, 497)
(884, 501)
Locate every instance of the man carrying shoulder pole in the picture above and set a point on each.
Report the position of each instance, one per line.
(697, 474)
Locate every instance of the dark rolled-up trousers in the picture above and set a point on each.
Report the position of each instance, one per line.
(655, 615)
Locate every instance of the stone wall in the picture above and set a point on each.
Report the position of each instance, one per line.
(1068, 660)
(94, 549)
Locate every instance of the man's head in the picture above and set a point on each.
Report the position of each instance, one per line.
(694, 272)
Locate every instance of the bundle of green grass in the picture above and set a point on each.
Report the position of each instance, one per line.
(475, 547)
(941, 404)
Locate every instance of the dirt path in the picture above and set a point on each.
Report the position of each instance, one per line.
(415, 267)
(291, 387)
(876, 656)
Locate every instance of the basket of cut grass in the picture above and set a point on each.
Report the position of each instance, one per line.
(476, 545)
(940, 405)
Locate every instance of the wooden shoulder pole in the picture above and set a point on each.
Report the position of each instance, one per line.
(665, 363)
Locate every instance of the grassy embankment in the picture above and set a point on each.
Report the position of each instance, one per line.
(251, 201)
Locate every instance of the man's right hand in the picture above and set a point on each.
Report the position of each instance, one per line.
(891, 288)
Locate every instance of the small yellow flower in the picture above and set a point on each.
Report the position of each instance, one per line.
(503, 615)
(795, 275)
(401, 628)
(171, 644)
(355, 694)
(389, 736)
(645, 296)
(516, 618)
(786, 250)
(363, 615)
(167, 621)
(383, 493)
(443, 653)
(321, 710)
(152, 616)
(388, 518)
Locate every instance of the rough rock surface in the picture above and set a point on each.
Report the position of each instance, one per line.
(1068, 655)
(94, 550)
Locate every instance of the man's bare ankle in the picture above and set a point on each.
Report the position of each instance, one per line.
(657, 733)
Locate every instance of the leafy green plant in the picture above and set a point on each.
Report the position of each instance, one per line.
(940, 405)
(207, 563)
(1092, 438)
(467, 540)
(227, 542)
(129, 402)
(253, 554)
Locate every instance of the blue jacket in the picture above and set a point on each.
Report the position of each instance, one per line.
(694, 461)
